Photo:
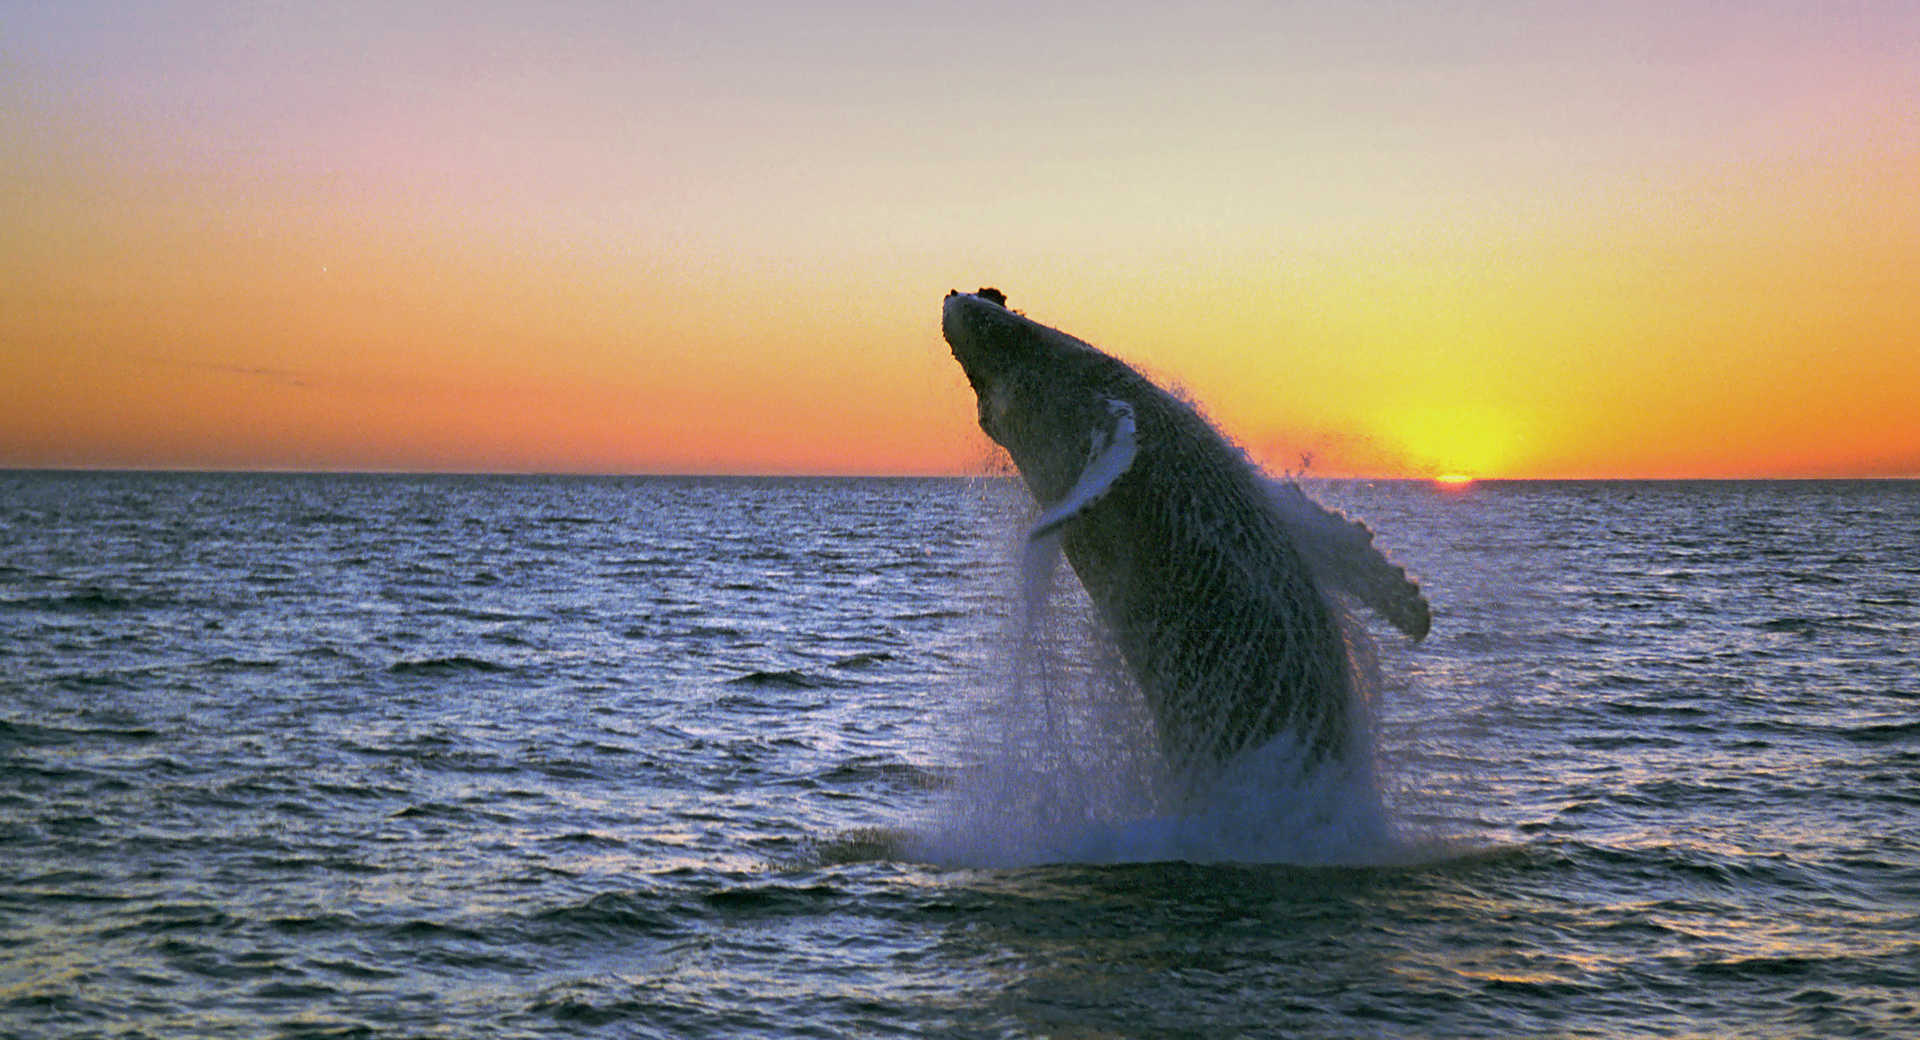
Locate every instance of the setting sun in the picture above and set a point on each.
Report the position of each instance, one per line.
(610, 240)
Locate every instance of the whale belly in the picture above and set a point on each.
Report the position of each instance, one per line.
(1217, 617)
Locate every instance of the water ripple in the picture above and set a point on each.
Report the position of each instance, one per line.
(385, 756)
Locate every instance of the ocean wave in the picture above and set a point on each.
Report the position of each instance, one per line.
(90, 599)
(772, 899)
(449, 665)
(229, 663)
(786, 678)
(1883, 732)
(881, 769)
(863, 660)
(617, 915)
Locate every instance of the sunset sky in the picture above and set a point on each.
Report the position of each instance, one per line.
(1504, 239)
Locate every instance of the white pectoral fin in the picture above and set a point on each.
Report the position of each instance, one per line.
(1112, 452)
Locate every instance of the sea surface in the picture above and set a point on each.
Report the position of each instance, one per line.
(396, 756)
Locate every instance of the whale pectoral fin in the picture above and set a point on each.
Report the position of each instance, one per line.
(1386, 588)
(1112, 453)
(1340, 552)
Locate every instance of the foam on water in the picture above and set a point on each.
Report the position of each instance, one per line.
(1066, 767)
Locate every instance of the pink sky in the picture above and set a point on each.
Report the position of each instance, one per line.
(1503, 239)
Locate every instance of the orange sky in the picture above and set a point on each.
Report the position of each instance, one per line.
(1508, 239)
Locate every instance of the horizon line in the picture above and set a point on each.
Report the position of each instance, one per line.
(941, 475)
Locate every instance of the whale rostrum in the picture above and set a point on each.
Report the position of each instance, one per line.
(1213, 583)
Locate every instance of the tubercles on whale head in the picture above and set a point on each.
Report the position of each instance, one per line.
(986, 292)
(982, 334)
(971, 323)
(993, 342)
(1043, 395)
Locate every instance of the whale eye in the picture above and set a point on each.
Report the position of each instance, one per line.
(989, 293)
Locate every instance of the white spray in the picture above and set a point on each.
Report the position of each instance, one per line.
(1064, 765)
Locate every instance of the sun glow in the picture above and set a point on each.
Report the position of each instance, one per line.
(1455, 443)
(605, 239)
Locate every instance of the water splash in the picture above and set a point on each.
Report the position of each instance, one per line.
(1066, 766)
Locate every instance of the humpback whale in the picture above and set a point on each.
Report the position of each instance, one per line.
(1215, 586)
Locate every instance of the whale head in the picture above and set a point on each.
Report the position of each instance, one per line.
(1042, 394)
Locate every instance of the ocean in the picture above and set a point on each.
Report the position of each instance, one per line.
(405, 756)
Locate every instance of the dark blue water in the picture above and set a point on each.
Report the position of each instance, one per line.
(398, 756)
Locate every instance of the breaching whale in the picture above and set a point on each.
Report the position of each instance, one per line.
(1212, 582)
